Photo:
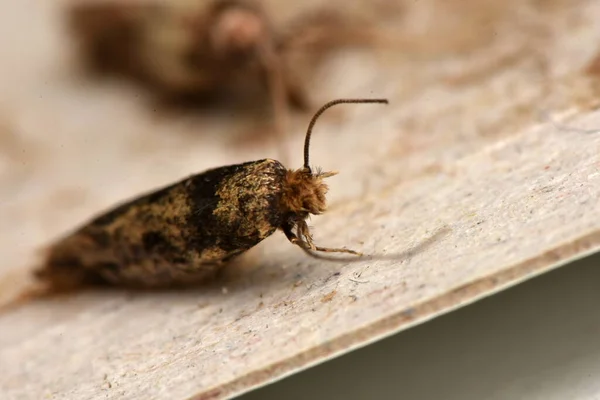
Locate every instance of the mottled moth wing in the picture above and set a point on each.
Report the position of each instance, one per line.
(179, 234)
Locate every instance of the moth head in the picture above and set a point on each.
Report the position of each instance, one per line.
(304, 189)
(237, 28)
(305, 192)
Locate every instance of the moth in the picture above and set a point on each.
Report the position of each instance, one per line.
(181, 50)
(185, 232)
(206, 50)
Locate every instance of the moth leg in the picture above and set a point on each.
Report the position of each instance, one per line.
(287, 230)
(296, 94)
(308, 244)
(303, 232)
(337, 250)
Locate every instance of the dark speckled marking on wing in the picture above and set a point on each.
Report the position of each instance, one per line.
(178, 234)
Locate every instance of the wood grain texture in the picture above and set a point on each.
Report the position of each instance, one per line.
(461, 187)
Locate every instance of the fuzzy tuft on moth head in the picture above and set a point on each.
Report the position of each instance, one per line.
(304, 191)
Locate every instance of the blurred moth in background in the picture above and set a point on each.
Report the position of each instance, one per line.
(204, 51)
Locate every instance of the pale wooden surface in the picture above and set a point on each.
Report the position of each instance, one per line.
(541, 336)
(459, 183)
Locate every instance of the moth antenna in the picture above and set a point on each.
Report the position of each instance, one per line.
(321, 111)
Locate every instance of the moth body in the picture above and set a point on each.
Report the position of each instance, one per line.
(182, 233)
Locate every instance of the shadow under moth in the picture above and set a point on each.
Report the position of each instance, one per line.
(185, 232)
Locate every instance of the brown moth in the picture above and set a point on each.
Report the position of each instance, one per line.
(193, 50)
(184, 233)
(205, 50)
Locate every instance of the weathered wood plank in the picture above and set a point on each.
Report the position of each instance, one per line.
(459, 184)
